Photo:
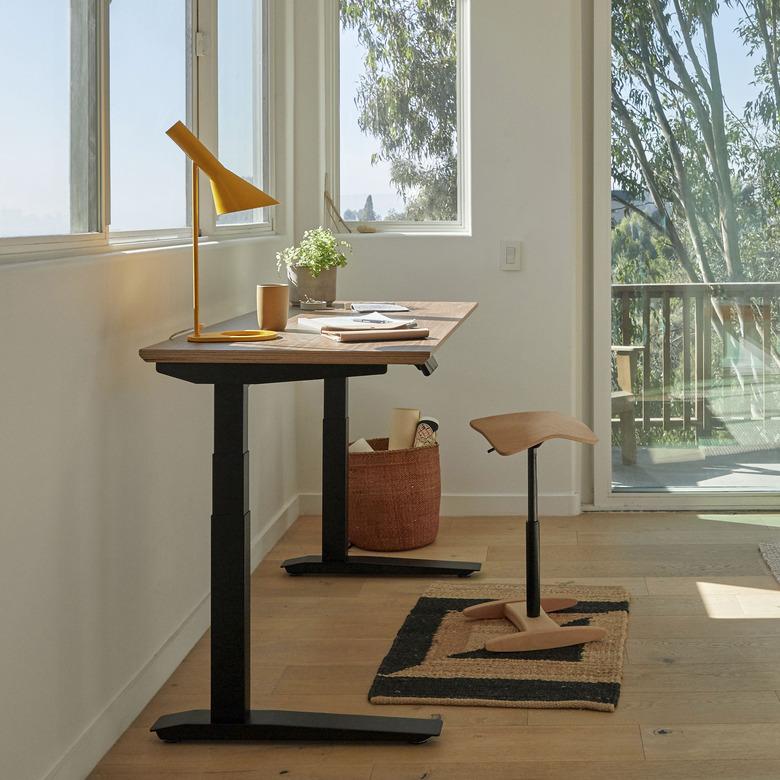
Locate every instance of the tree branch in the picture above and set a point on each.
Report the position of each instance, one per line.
(669, 229)
(685, 195)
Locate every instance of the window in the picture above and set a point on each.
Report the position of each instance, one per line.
(400, 108)
(149, 67)
(243, 98)
(95, 85)
(49, 154)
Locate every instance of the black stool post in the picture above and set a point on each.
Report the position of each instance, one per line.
(532, 586)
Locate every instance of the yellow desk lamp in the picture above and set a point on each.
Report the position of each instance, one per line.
(231, 193)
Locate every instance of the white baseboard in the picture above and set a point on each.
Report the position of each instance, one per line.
(272, 532)
(474, 504)
(92, 744)
(310, 503)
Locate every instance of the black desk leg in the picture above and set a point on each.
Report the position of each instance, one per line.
(230, 717)
(335, 470)
(335, 492)
(230, 566)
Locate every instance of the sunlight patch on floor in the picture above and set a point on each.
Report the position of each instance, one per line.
(736, 602)
(770, 521)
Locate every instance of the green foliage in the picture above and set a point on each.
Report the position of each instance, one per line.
(407, 97)
(656, 436)
(318, 251)
(641, 255)
(713, 175)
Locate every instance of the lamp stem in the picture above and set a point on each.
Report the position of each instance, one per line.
(195, 235)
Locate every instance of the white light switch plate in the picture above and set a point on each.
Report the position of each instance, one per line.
(510, 256)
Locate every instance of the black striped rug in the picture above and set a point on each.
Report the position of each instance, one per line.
(438, 658)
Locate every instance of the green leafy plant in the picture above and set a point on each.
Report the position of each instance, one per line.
(318, 251)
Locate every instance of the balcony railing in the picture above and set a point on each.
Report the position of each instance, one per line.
(709, 352)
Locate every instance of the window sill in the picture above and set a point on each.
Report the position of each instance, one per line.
(451, 231)
(66, 251)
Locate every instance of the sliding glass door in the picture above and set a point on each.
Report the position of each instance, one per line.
(694, 367)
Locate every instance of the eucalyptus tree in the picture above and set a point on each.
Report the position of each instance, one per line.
(407, 97)
(711, 171)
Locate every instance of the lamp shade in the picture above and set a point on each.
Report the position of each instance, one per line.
(231, 192)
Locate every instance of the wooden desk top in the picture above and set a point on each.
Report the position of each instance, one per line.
(296, 345)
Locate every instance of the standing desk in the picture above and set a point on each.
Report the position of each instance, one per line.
(298, 355)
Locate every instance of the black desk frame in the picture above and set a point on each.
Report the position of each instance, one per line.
(230, 716)
(335, 496)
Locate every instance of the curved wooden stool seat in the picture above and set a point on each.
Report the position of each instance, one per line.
(509, 434)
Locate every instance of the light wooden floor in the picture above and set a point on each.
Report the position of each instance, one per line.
(701, 692)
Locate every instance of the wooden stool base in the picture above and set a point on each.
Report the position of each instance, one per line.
(536, 633)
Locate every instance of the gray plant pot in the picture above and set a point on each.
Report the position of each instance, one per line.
(304, 287)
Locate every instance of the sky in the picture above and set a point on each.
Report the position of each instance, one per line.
(148, 88)
(36, 125)
(148, 94)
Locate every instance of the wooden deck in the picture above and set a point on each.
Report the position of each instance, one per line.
(700, 697)
(661, 469)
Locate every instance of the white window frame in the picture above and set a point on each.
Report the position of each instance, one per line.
(202, 107)
(331, 27)
(206, 102)
(604, 498)
(14, 248)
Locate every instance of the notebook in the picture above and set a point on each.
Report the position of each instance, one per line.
(400, 334)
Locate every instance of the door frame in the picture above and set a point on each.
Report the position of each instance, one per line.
(604, 498)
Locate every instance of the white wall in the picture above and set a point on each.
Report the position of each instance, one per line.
(517, 351)
(105, 478)
(105, 485)
(105, 464)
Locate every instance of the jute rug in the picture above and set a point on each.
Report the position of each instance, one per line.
(438, 656)
(771, 554)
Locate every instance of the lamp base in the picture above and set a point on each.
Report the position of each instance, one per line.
(234, 335)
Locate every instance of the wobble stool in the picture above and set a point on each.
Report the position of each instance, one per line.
(509, 434)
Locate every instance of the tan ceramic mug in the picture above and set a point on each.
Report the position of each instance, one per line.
(273, 303)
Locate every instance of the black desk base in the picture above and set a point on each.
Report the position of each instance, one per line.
(334, 559)
(363, 565)
(285, 725)
(230, 716)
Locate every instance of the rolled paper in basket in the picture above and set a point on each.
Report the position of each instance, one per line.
(403, 426)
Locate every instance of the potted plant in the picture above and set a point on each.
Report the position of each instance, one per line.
(311, 266)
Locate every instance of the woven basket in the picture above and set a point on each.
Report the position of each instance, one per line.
(394, 497)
